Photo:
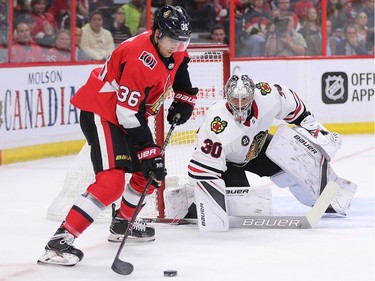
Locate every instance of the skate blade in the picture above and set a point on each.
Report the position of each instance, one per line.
(115, 238)
(52, 258)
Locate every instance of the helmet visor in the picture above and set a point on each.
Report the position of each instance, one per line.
(173, 44)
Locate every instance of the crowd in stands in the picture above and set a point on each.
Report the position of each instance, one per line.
(42, 29)
(294, 28)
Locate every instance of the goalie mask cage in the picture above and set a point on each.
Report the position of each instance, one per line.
(209, 69)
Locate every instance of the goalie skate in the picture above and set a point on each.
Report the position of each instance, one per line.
(60, 250)
(140, 232)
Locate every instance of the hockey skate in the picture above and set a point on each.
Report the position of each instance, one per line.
(60, 250)
(139, 233)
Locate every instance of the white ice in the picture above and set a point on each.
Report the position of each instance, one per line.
(337, 249)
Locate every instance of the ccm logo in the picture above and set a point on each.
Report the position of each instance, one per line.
(147, 153)
(185, 98)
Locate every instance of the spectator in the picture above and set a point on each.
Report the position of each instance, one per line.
(96, 41)
(350, 45)
(369, 10)
(80, 54)
(45, 27)
(332, 41)
(203, 15)
(3, 13)
(120, 32)
(24, 49)
(4, 54)
(336, 14)
(364, 34)
(3, 45)
(285, 41)
(4, 27)
(218, 34)
(256, 12)
(95, 5)
(301, 7)
(61, 51)
(311, 32)
(252, 44)
(61, 7)
(133, 14)
(284, 6)
(65, 18)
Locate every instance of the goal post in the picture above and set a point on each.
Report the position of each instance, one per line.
(209, 69)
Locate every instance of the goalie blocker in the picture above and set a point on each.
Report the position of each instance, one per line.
(305, 171)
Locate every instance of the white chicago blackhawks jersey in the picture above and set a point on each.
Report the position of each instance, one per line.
(220, 139)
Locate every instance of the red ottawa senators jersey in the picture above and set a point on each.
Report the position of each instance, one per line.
(133, 83)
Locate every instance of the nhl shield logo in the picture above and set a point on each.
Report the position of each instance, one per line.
(334, 87)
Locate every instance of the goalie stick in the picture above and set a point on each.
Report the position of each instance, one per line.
(290, 222)
(119, 266)
(272, 222)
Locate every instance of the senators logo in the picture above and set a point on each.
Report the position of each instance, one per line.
(218, 125)
(148, 59)
(168, 90)
(256, 145)
(264, 88)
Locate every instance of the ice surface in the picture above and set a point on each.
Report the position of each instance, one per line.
(337, 249)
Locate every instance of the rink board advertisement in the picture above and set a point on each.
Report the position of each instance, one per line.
(35, 107)
(336, 91)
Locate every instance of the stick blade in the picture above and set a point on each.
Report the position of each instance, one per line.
(322, 203)
(122, 267)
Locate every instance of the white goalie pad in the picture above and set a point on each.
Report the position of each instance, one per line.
(249, 201)
(241, 201)
(326, 144)
(306, 169)
(211, 204)
(177, 200)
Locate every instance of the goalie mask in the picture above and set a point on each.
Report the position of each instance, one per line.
(239, 91)
(173, 23)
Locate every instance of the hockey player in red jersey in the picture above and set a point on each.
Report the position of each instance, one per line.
(234, 138)
(115, 104)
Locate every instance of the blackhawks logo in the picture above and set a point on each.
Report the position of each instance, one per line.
(218, 125)
(264, 88)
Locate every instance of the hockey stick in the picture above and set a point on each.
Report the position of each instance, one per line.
(290, 222)
(119, 266)
(167, 221)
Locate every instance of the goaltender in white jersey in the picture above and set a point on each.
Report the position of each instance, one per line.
(234, 138)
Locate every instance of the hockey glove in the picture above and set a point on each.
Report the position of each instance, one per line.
(328, 143)
(152, 163)
(183, 105)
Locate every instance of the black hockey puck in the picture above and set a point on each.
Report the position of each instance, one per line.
(170, 273)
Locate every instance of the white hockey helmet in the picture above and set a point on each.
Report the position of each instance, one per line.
(239, 91)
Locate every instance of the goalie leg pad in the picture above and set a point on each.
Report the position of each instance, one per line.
(177, 200)
(249, 201)
(341, 202)
(306, 170)
(211, 205)
(302, 192)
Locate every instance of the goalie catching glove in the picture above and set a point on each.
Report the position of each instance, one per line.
(328, 143)
(152, 163)
(183, 105)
